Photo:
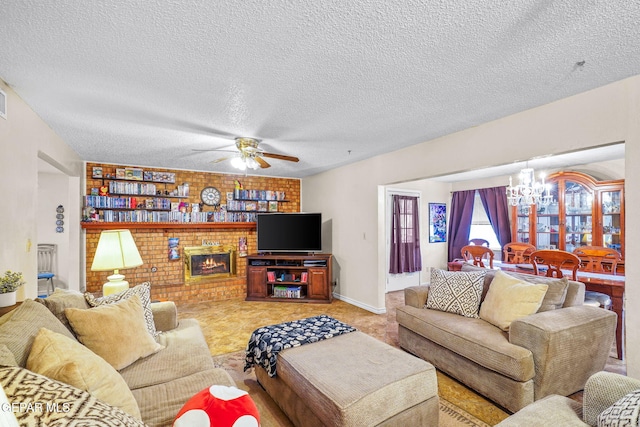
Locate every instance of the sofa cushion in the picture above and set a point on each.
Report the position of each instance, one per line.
(509, 299)
(473, 339)
(622, 413)
(57, 404)
(455, 292)
(61, 299)
(116, 332)
(174, 394)
(143, 291)
(63, 359)
(185, 352)
(19, 327)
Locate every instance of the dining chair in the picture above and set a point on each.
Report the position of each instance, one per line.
(46, 254)
(517, 252)
(478, 254)
(598, 259)
(555, 261)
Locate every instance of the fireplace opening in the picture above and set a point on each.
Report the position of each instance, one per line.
(204, 262)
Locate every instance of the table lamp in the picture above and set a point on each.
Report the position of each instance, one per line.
(116, 250)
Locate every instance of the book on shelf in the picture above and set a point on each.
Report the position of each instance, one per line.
(287, 292)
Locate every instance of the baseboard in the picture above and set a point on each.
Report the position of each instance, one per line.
(373, 310)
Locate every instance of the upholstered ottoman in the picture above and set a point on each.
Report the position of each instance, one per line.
(353, 380)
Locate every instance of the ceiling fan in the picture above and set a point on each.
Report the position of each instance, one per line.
(249, 156)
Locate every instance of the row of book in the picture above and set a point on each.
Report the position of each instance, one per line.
(239, 194)
(173, 216)
(260, 205)
(132, 188)
(109, 202)
(287, 292)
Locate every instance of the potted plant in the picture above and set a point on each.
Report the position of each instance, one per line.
(9, 284)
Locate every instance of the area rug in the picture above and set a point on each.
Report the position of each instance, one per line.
(271, 415)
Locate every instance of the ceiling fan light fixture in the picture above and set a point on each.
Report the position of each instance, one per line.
(238, 163)
(251, 163)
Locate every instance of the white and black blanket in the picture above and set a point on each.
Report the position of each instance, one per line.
(266, 342)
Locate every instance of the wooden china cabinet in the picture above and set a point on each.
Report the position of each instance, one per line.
(584, 212)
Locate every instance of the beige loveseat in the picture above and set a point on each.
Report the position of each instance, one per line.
(160, 383)
(550, 352)
(602, 398)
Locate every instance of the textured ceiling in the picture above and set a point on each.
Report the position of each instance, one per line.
(331, 82)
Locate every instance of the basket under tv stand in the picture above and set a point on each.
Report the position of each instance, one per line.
(289, 277)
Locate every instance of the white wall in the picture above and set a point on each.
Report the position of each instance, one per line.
(24, 138)
(55, 189)
(349, 195)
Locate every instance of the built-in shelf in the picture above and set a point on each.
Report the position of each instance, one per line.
(168, 225)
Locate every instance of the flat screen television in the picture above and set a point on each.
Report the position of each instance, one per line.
(289, 232)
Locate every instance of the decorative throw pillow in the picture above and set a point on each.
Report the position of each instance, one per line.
(23, 325)
(455, 292)
(221, 406)
(143, 291)
(115, 332)
(6, 357)
(61, 299)
(55, 404)
(63, 359)
(622, 413)
(509, 299)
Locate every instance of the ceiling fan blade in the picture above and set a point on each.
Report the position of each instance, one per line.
(263, 164)
(205, 150)
(222, 159)
(281, 157)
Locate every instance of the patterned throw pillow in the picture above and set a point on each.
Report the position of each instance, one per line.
(622, 413)
(455, 292)
(143, 290)
(46, 402)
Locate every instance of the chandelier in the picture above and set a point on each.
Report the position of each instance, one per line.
(529, 191)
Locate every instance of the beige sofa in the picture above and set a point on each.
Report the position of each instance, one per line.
(551, 352)
(602, 391)
(160, 383)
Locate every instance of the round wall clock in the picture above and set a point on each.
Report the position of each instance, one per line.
(210, 196)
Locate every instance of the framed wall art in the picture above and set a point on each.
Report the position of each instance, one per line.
(437, 222)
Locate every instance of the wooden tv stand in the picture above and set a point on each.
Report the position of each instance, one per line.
(289, 278)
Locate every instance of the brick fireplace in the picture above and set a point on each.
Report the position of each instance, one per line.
(208, 262)
(166, 275)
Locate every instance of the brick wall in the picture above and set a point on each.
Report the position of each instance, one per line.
(167, 281)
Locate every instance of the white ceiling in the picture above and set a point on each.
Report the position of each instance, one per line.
(331, 82)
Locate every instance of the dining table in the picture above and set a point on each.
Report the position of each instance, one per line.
(610, 284)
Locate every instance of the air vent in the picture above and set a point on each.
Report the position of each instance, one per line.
(3, 104)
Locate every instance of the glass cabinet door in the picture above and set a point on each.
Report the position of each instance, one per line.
(548, 222)
(578, 201)
(523, 223)
(611, 203)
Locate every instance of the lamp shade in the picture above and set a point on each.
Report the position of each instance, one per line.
(116, 250)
